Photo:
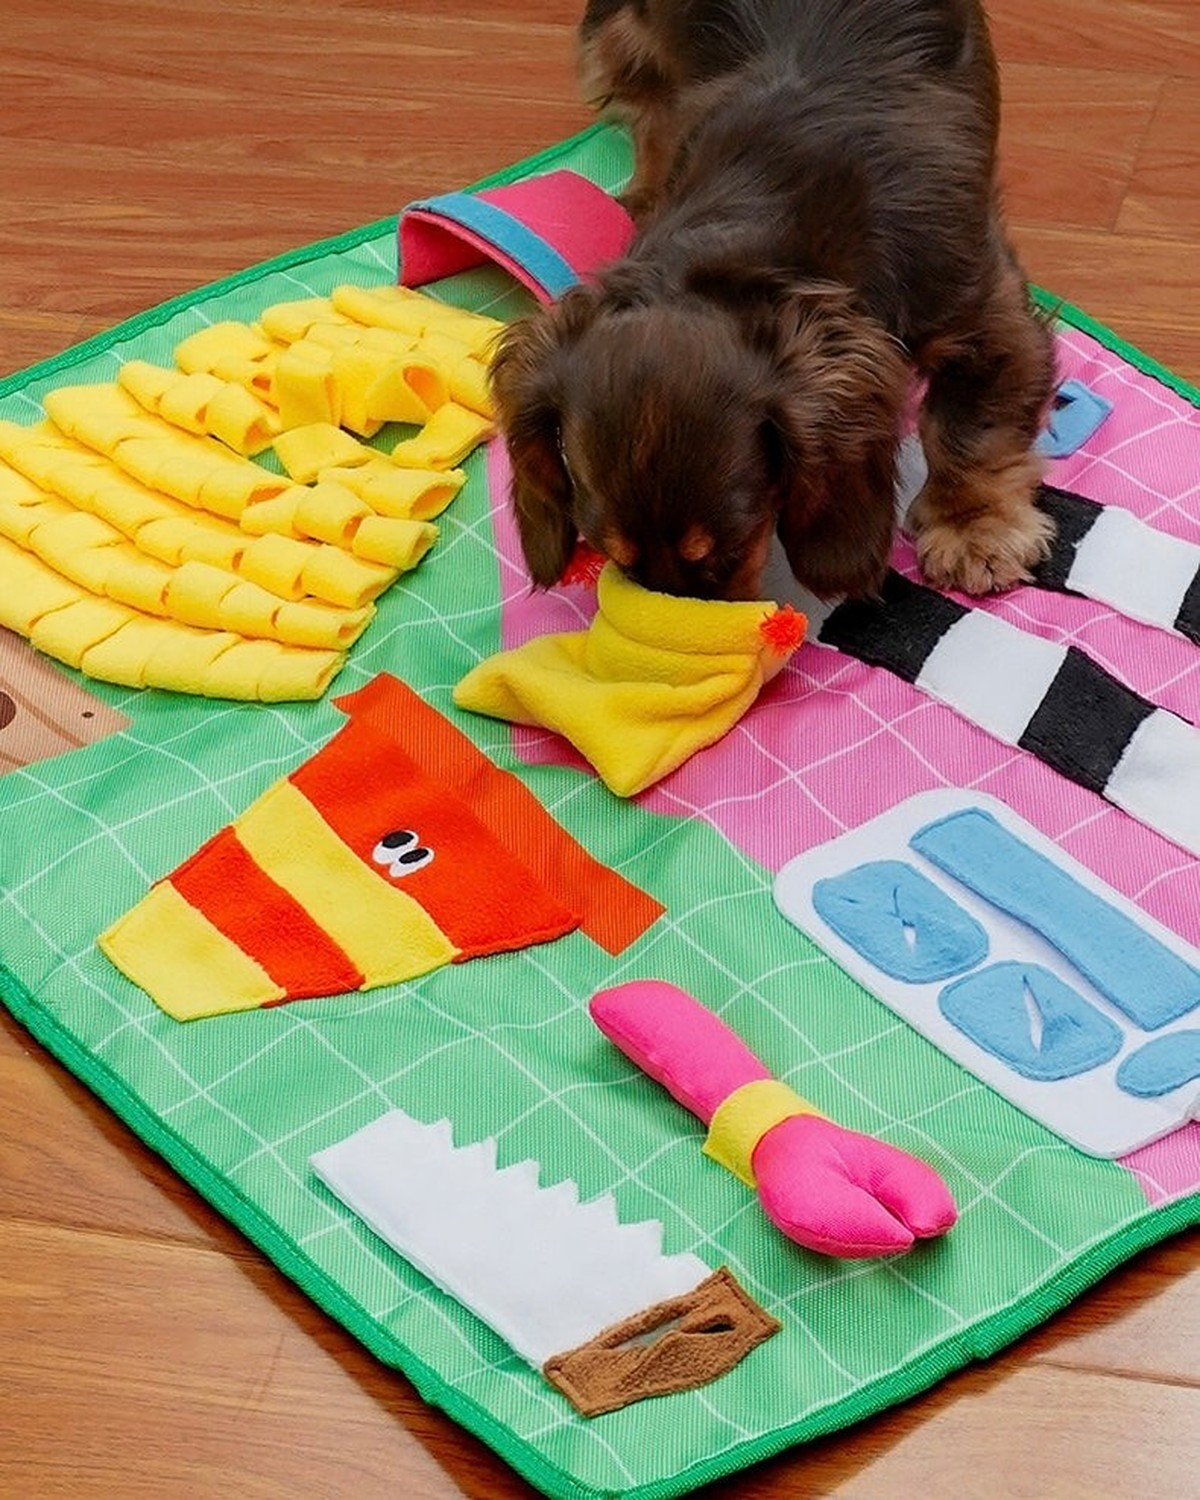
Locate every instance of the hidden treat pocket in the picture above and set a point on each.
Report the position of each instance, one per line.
(901, 922)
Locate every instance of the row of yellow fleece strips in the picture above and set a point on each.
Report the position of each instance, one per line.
(140, 543)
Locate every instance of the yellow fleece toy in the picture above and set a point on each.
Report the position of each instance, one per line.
(651, 681)
(140, 542)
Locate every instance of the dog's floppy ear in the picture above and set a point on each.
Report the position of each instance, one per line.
(527, 377)
(831, 429)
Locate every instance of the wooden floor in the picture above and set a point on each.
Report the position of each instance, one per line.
(148, 146)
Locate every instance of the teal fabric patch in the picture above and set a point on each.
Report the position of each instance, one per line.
(1142, 977)
(1028, 1018)
(516, 240)
(898, 920)
(1161, 1065)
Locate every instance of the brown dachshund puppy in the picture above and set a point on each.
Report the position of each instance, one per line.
(818, 219)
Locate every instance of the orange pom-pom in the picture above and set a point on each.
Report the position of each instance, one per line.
(783, 630)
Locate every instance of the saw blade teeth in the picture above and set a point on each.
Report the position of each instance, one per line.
(602, 1213)
(440, 1133)
(486, 1152)
(565, 1191)
(546, 1270)
(559, 1202)
(527, 1170)
(647, 1235)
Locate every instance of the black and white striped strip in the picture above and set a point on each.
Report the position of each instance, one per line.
(1101, 552)
(1108, 554)
(1049, 699)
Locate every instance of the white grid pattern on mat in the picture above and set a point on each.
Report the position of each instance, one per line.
(558, 1115)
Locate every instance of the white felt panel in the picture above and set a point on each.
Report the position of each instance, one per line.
(991, 672)
(1157, 780)
(543, 1270)
(1090, 1110)
(1137, 569)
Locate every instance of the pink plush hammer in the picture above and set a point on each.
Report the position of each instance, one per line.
(826, 1187)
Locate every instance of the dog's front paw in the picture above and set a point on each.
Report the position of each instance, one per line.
(983, 538)
(985, 556)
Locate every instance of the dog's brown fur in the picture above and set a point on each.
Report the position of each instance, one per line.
(817, 218)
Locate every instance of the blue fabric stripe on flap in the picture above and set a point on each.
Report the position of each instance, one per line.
(500, 228)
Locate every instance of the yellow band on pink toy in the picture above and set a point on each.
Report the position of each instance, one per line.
(742, 1119)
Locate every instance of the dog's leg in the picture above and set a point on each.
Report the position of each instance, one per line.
(625, 73)
(655, 142)
(975, 523)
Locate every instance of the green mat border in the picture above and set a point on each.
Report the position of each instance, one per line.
(920, 1373)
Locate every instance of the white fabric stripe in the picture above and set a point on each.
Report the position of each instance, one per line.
(1140, 571)
(542, 1269)
(1157, 780)
(991, 673)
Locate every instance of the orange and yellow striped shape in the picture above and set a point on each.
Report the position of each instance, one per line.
(397, 848)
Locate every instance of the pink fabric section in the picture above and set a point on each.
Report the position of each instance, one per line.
(586, 225)
(831, 743)
(431, 247)
(676, 1041)
(1170, 1167)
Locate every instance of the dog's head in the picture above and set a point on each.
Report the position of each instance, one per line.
(676, 435)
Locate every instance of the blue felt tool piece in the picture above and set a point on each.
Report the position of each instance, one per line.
(1143, 978)
(1161, 1065)
(898, 920)
(1028, 1018)
(1075, 415)
(502, 229)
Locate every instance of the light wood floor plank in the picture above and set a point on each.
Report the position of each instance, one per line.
(1163, 196)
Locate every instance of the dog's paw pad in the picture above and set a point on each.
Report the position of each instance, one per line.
(984, 556)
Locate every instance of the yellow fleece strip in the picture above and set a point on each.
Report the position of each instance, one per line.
(288, 322)
(201, 403)
(224, 347)
(305, 451)
(405, 494)
(386, 375)
(407, 311)
(378, 387)
(306, 390)
(386, 934)
(94, 554)
(173, 533)
(173, 952)
(197, 470)
(466, 376)
(331, 513)
(115, 643)
(742, 1119)
(445, 440)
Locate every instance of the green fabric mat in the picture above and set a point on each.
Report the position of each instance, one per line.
(504, 1045)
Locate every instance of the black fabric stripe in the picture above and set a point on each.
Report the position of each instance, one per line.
(898, 630)
(1084, 723)
(1073, 516)
(1187, 621)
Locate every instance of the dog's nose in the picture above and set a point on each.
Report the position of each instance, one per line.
(681, 582)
